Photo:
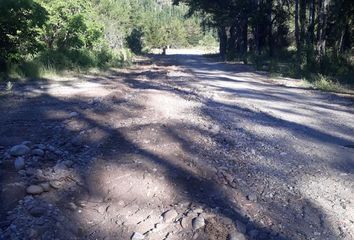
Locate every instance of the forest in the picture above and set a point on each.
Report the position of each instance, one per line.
(310, 39)
(45, 35)
(176, 119)
(294, 37)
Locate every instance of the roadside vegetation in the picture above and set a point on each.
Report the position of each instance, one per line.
(311, 39)
(39, 37)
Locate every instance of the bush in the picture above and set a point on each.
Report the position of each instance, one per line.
(325, 83)
(135, 42)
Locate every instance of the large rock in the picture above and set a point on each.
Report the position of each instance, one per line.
(34, 189)
(19, 150)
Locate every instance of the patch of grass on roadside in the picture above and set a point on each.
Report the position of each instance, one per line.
(325, 83)
(56, 63)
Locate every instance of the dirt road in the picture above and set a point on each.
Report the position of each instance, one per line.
(176, 147)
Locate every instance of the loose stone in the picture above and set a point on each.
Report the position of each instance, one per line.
(38, 152)
(34, 189)
(170, 215)
(137, 236)
(19, 163)
(198, 222)
(45, 186)
(19, 150)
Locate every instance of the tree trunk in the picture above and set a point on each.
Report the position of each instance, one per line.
(270, 30)
(322, 23)
(310, 32)
(297, 28)
(231, 43)
(222, 42)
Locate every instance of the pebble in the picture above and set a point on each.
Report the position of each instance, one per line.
(198, 222)
(236, 236)
(34, 189)
(137, 236)
(68, 163)
(19, 163)
(198, 210)
(45, 186)
(72, 206)
(73, 114)
(158, 227)
(252, 197)
(38, 152)
(27, 143)
(170, 215)
(55, 184)
(19, 150)
(39, 146)
(241, 227)
(186, 222)
(37, 211)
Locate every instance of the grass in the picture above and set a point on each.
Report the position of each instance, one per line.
(55, 63)
(336, 74)
(324, 83)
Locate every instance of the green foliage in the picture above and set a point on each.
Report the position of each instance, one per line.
(146, 24)
(37, 36)
(321, 32)
(71, 25)
(324, 83)
(134, 41)
(20, 21)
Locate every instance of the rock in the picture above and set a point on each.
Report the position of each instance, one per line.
(34, 189)
(72, 206)
(19, 163)
(33, 234)
(137, 236)
(37, 211)
(241, 227)
(186, 222)
(39, 146)
(198, 222)
(236, 236)
(252, 197)
(60, 167)
(45, 186)
(73, 114)
(77, 141)
(38, 152)
(198, 210)
(50, 156)
(68, 163)
(19, 150)
(27, 143)
(169, 215)
(159, 227)
(55, 184)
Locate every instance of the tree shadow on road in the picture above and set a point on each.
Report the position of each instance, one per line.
(200, 179)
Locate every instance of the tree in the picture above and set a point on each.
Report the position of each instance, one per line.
(71, 25)
(20, 21)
